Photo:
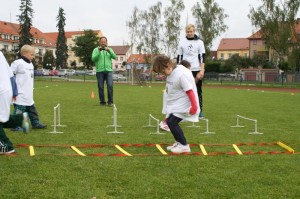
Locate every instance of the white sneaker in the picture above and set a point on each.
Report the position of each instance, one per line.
(163, 125)
(170, 147)
(179, 148)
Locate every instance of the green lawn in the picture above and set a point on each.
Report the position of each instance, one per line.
(57, 172)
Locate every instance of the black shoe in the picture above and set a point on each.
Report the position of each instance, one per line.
(102, 103)
(40, 126)
(110, 104)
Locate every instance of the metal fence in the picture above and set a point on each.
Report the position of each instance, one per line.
(253, 78)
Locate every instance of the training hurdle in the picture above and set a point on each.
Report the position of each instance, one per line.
(56, 112)
(206, 122)
(157, 124)
(207, 131)
(239, 126)
(115, 125)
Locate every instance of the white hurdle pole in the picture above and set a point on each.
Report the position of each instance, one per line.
(207, 131)
(253, 120)
(115, 125)
(56, 110)
(157, 125)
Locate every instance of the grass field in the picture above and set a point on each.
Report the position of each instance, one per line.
(57, 172)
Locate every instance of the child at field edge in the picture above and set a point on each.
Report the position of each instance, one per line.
(23, 70)
(181, 101)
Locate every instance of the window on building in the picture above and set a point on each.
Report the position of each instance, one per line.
(254, 42)
(229, 55)
(222, 55)
(121, 58)
(254, 52)
(40, 51)
(116, 66)
(245, 55)
(15, 38)
(6, 37)
(6, 47)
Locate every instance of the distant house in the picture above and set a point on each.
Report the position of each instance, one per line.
(231, 46)
(140, 61)
(9, 40)
(122, 53)
(258, 45)
(71, 38)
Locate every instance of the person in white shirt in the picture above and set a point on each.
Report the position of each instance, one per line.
(180, 102)
(192, 49)
(24, 73)
(8, 92)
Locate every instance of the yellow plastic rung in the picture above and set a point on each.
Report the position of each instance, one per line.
(161, 149)
(237, 149)
(77, 151)
(203, 149)
(31, 150)
(289, 149)
(122, 150)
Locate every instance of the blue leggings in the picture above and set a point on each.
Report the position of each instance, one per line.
(173, 123)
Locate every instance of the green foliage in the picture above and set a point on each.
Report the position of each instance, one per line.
(25, 20)
(49, 60)
(172, 15)
(84, 47)
(209, 21)
(212, 66)
(61, 41)
(54, 172)
(276, 21)
(235, 62)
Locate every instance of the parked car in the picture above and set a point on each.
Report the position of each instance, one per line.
(62, 72)
(38, 72)
(160, 78)
(145, 77)
(53, 72)
(119, 77)
(80, 72)
(70, 72)
(91, 72)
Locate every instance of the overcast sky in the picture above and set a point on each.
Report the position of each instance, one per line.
(110, 16)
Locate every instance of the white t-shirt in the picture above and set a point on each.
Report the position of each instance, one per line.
(5, 75)
(190, 49)
(24, 79)
(177, 101)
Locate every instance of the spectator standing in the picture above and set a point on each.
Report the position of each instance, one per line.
(102, 57)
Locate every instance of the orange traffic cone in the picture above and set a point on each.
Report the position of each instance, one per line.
(92, 95)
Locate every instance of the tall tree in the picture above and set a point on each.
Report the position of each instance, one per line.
(276, 21)
(133, 25)
(209, 21)
(84, 47)
(49, 60)
(172, 26)
(151, 30)
(25, 20)
(61, 41)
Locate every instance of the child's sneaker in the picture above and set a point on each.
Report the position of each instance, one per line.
(4, 150)
(179, 148)
(172, 146)
(163, 125)
(40, 126)
(25, 123)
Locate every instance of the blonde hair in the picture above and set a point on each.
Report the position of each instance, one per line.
(189, 26)
(26, 48)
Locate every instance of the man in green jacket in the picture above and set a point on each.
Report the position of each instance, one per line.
(102, 57)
